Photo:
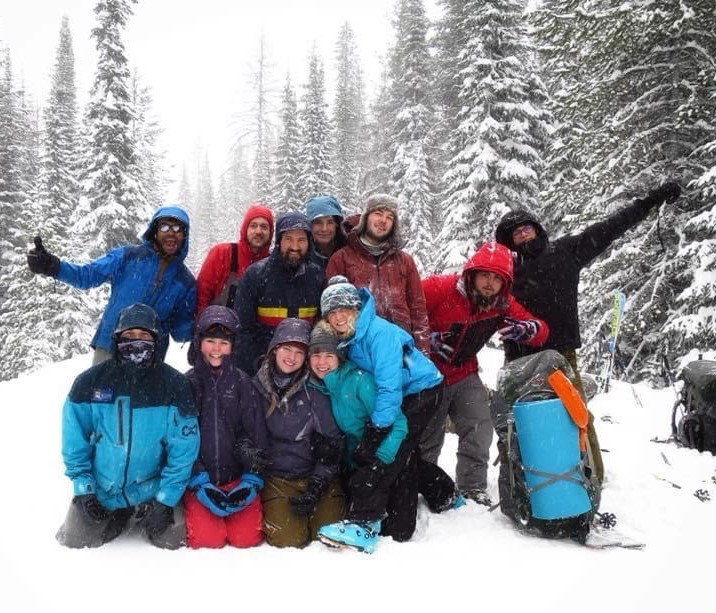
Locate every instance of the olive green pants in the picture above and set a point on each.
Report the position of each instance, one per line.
(286, 528)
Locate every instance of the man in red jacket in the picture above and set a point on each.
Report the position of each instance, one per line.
(465, 310)
(226, 262)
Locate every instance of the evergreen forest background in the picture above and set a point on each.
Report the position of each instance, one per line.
(571, 108)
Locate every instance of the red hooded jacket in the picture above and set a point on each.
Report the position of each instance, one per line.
(464, 326)
(217, 265)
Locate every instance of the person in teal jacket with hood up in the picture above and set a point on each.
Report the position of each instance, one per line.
(152, 273)
(130, 437)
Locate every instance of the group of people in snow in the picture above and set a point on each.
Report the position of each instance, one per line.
(323, 373)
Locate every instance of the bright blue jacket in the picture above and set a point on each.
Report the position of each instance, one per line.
(352, 393)
(130, 434)
(389, 353)
(132, 271)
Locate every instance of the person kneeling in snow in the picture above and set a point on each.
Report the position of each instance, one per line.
(370, 472)
(129, 439)
(223, 504)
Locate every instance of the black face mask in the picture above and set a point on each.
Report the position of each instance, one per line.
(138, 352)
(532, 248)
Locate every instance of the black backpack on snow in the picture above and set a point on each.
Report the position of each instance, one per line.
(696, 427)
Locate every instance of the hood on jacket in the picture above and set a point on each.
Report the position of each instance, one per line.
(492, 257)
(174, 212)
(291, 221)
(144, 317)
(512, 219)
(290, 330)
(324, 206)
(213, 315)
(257, 210)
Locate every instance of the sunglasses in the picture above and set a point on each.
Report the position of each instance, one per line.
(174, 227)
(525, 228)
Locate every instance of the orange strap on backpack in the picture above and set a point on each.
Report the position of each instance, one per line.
(572, 401)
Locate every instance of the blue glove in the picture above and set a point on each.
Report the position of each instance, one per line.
(518, 331)
(209, 495)
(244, 493)
(439, 347)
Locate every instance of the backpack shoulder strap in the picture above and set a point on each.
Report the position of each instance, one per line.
(234, 257)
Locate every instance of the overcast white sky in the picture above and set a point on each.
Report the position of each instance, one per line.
(195, 54)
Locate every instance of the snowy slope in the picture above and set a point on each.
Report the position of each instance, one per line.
(469, 559)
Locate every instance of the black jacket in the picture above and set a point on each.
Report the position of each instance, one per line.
(546, 280)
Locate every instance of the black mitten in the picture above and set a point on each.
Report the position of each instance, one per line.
(252, 458)
(327, 449)
(157, 518)
(41, 261)
(372, 438)
(91, 508)
(306, 502)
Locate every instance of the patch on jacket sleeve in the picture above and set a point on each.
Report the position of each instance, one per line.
(102, 394)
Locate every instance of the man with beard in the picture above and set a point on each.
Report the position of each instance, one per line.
(547, 275)
(152, 273)
(373, 259)
(225, 263)
(285, 284)
(465, 310)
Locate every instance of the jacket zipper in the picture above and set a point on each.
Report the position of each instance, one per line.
(120, 423)
(128, 453)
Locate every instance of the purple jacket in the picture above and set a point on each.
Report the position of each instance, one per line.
(302, 411)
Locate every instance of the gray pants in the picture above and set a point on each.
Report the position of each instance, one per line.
(467, 403)
(77, 532)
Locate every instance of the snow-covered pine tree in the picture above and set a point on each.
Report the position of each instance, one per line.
(646, 115)
(287, 187)
(413, 149)
(62, 309)
(115, 203)
(203, 220)
(348, 120)
(316, 142)
(238, 183)
(376, 178)
(496, 152)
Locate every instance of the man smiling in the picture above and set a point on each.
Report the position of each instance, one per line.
(152, 273)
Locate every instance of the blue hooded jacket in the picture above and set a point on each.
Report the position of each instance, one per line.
(389, 353)
(137, 273)
(130, 433)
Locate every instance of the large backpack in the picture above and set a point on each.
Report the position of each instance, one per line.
(527, 380)
(696, 426)
(228, 293)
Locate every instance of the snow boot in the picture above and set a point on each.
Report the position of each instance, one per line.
(479, 496)
(361, 536)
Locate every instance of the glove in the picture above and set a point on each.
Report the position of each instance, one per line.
(251, 457)
(518, 331)
(244, 493)
(208, 494)
(306, 502)
(372, 438)
(41, 261)
(326, 449)
(156, 518)
(440, 348)
(668, 192)
(90, 508)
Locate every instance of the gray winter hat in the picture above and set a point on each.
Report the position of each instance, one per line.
(375, 203)
(290, 330)
(324, 339)
(340, 294)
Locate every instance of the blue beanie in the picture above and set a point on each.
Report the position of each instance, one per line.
(323, 206)
(292, 221)
(340, 294)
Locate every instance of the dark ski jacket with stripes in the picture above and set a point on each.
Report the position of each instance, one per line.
(268, 293)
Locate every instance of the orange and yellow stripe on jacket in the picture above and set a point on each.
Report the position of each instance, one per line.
(272, 316)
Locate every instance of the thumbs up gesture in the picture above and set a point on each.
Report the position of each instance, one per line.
(42, 261)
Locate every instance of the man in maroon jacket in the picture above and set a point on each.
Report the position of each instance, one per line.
(465, 310)
(373, 259)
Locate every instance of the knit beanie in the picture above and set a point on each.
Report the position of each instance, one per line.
(324, 339)
(374, 203)
(292, 221)
(323, 206)
(340, 294)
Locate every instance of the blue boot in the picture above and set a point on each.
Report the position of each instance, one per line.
(359, 536)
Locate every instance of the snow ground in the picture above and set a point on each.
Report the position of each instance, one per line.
(468, 559)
